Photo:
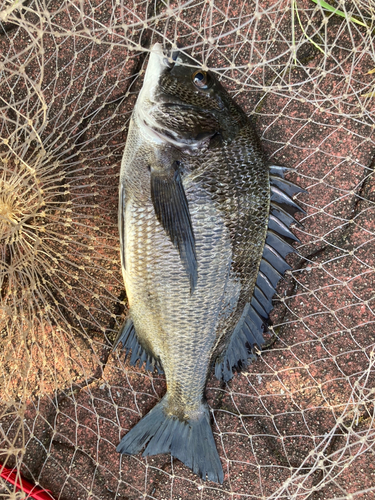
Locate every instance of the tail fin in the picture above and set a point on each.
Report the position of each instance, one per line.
(190, 441)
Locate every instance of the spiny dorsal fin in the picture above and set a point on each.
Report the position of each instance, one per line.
(249, 330)
(172, 211)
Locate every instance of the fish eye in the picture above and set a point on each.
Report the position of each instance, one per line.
(200, 79)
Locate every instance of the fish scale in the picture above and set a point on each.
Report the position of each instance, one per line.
(204, 230)
(151, 258)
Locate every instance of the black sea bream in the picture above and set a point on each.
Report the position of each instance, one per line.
(204, 229)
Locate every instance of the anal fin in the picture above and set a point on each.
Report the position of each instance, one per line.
(128, 337)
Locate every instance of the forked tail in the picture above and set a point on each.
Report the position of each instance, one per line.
(191, 441)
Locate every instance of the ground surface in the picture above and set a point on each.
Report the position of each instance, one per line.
(299, 423)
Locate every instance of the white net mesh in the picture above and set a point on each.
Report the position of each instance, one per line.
(300, 422)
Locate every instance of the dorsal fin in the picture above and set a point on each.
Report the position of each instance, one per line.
(253, 322)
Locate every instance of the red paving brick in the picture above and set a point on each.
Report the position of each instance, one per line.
(318, 369)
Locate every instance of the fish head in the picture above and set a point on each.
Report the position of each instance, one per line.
(183, 104)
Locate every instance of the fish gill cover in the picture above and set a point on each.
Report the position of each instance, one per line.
(299, 423)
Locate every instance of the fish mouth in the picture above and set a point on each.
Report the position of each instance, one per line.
(150, 99)
(160, 60)
(170, 57)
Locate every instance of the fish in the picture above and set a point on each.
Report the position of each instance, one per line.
(205, 225)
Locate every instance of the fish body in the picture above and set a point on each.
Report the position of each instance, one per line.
(194, 213)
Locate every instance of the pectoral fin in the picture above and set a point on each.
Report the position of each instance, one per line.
(172, 210)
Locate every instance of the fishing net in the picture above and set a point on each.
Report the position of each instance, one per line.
(299, 423)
